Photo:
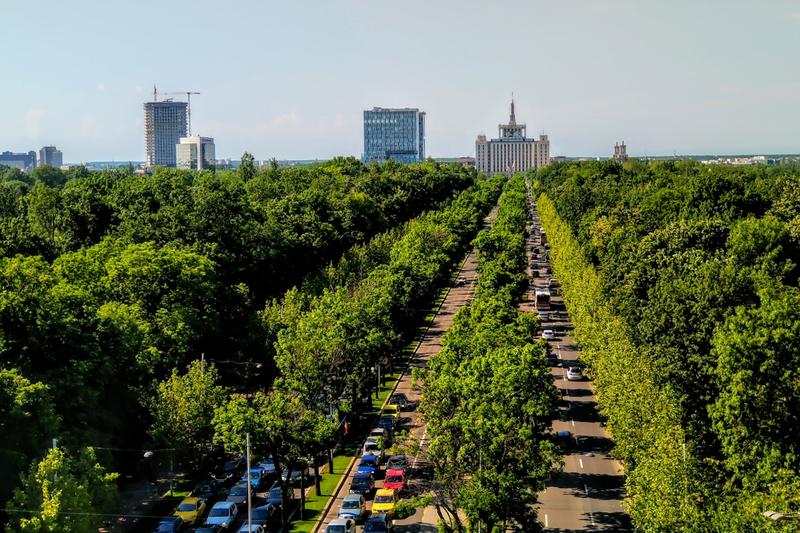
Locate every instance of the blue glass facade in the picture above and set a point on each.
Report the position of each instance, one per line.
(397, 134)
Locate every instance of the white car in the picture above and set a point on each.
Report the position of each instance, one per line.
(574, 374)
(223, 514)
(461, 281)
(548, 335)
(544, 315)
(341, 526)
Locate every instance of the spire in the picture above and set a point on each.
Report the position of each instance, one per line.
(513, 119)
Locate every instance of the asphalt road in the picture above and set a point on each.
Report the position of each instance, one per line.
(588, 494)
(424, 520)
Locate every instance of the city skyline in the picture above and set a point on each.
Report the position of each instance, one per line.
(276, 83)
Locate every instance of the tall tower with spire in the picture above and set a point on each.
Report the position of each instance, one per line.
(512, 151)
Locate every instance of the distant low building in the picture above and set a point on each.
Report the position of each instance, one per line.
(620, 152)
(50, 155)
(397, 134)
(512, 151)
(195, 152)
(22, 161)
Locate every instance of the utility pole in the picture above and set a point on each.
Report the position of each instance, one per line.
(249, 489)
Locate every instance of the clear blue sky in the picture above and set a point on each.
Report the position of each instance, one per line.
(290, 78)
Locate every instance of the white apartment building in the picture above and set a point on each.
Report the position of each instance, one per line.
(195, 152)
(512, 151)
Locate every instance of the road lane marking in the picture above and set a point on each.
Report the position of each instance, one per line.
(586, 489)
(591, 517)
(581, 462)
(546, 522)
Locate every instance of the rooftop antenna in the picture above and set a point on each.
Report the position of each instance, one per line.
(155, 93)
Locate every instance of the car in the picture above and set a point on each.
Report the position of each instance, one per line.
(552, 359)
(191, 509)
(387, 422)
(275, 495)
(206, 491)
(173, 524)
(548, 335)
(400, 402)
(268, 466)
(234, 467)
(223, 514)
(380, 433)
(238, 494)
(398, 462)
(543, 315)
(292, 477)
(341, 525)
(385, 501)
(574, 374)
(461, 281)
(395, 480)
(353, 506)
(373, 447)
(207, 529)
(378, 523)
(262, 514)
(257, 477)
(362, 483)
(368, 465)
(252, 528)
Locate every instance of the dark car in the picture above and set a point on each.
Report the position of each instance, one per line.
(397, 462)
(207, 491)
(173, 524)
(275, 495)
(363, 483)
(234, 467)
(378, 523)
(401, 401)
(207, 529)
(387, 422)
(263, 514)
(238, 494)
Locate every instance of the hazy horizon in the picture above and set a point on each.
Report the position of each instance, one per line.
(290, 81)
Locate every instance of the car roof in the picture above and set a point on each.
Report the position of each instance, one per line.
(339, 522)
(362, 475)
(395, 472)
(190, 499)
(358, 497)
(384, 492)
(226, 505)
(369, 457)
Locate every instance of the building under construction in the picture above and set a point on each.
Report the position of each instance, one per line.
(165, 123)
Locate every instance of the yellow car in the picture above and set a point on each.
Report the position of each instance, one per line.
(385, 502)
(191, 510)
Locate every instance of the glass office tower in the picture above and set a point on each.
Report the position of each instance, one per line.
(397, 134)
(164, 124)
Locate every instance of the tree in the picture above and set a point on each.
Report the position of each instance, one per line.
(279, 426)
(247, 167)
(44, 205)
(183, 406)
(63, 493)
(48, 175)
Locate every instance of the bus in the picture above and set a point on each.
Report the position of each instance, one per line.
(542, 299)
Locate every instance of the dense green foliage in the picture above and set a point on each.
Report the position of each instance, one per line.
(111, 280)
(489, 398)
(682, 282)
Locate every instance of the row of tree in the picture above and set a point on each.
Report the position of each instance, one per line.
(682, 282)
(111, 280)
(489, 398)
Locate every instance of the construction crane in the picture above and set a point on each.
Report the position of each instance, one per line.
(189, 107)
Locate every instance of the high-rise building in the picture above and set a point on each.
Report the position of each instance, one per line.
(512, 151)
(397, 134)
(22, 161)
(620, 152)
(195, 152)
(165, 123)
(49, 155)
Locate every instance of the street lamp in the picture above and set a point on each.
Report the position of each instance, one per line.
(377, 368)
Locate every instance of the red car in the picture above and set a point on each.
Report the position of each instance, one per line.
(395, 480)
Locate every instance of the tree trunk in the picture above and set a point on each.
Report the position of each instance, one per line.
(317, 481)
(302, 494)
(330, 460)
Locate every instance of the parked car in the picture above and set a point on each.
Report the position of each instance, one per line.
(207, 529)
(341, 525)
(548, 335)
(380, 433)
(238, 494)
(363, 483)
(223, 514)
(397, 462)
(291, 477)
(252, 528)
(173, 524)
(400, 402)
(543, 315)
(552, 359)
(233, 467)
(378, 523)
(395, 480)
(268, 465)
(206, 491)
(387, 422)
(262, 514)
(191, 510)
(368, 465)
(385, 502)
(574, 374)
(275, 495)
(373, 447)
(258, 478)
(354, 507)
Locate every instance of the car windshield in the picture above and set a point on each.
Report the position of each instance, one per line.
(238, 490)
(368, 461)
(360, 482)
(394, 479)
(255, 472)
(184, 507)
(335, 529)
(384, 499)
(260, 514)
(351, 504)
(374, 527)
(219, 511)
(203, 489)
(387, 418)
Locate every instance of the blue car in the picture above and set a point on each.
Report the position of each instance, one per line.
(363, 483)
(238, 494)
(257, 477)
(268, 466)
(275, 495)
(368, 465)
(173, 524)
(263, 515)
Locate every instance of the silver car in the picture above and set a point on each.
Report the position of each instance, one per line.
(353, 507)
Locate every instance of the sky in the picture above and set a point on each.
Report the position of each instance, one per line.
(290, 79)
